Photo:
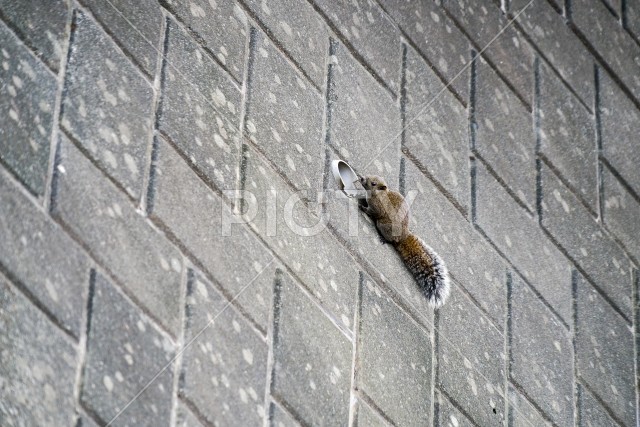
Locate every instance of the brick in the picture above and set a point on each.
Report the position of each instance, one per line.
(448, 415)
(301, 32)
(86, 421)
(438, 136)
(353, 108)
(509, 51)
(26, 107)
(206, 132)
(604, 353)
(470, 259)
(591, 413)
(224, 369)
(108, 109)
(567, 136)
(604, 32)
(285, 116)
(520, 238)
(280, 418)
(504, 134)
(620, 124)
(522, 413)
(313, 254)
(137, 26)
(30, 254)
(424, 22)
(373, 35)
(367, 417)
(621, 213)
(222, 27)
(471, 360)
(633, 18)
(312, 359)
(117, 236)
(360, 235)
(394, 358)
(516, 6)
(37, 365)
(185, 418)
(583, 239)
(124, 352)
(233, 260)
(553, 38)
(541, 357)
(45, 36)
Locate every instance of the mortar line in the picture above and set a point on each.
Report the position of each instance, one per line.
(636, 333)
(355, 361)
(574, 337)
(187, 345)
(598, 142)
(533, 289)
(431, 325)
(508, 344)
(586, 276)
(406, 39)
(238, 204)
(635, 99)
(148, 178)
(83, 347)
(352, 50)
(550, 65)
(197, 264)
(273, 329)
(83, 343)
(364, 397)
(289, 409)
(30, 48)
(488, 61)
(155, 320)
(520, 389)
(403, 100)
(327, 123)
(435, 368)
(458, 407)
(568, 9)
(602, 403)
(177, 70)
(94, 163)
(192, 35)
(195, 411)
(481, 160)
(544, 160)
(58, 108)
(277, 44)
(426, 105)
(186, 279)
(447, 195)
(86, 10)
(537, 135)
(28, 295)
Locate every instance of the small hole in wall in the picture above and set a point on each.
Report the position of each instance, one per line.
(494, 410)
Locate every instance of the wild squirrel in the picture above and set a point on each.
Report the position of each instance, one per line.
(390, 212)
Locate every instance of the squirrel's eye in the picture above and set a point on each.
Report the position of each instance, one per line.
(374, 183)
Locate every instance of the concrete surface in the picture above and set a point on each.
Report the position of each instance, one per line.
(168, 258)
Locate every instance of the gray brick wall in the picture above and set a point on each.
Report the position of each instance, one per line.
(166, 259)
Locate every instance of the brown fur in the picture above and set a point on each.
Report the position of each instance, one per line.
(390, 212)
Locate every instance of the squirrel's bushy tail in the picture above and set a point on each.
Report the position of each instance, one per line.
(427, 268)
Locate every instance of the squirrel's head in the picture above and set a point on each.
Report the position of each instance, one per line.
(373, 183)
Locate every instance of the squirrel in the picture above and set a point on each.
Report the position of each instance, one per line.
(390, 212)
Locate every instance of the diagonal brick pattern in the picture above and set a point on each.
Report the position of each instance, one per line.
(173, 251)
